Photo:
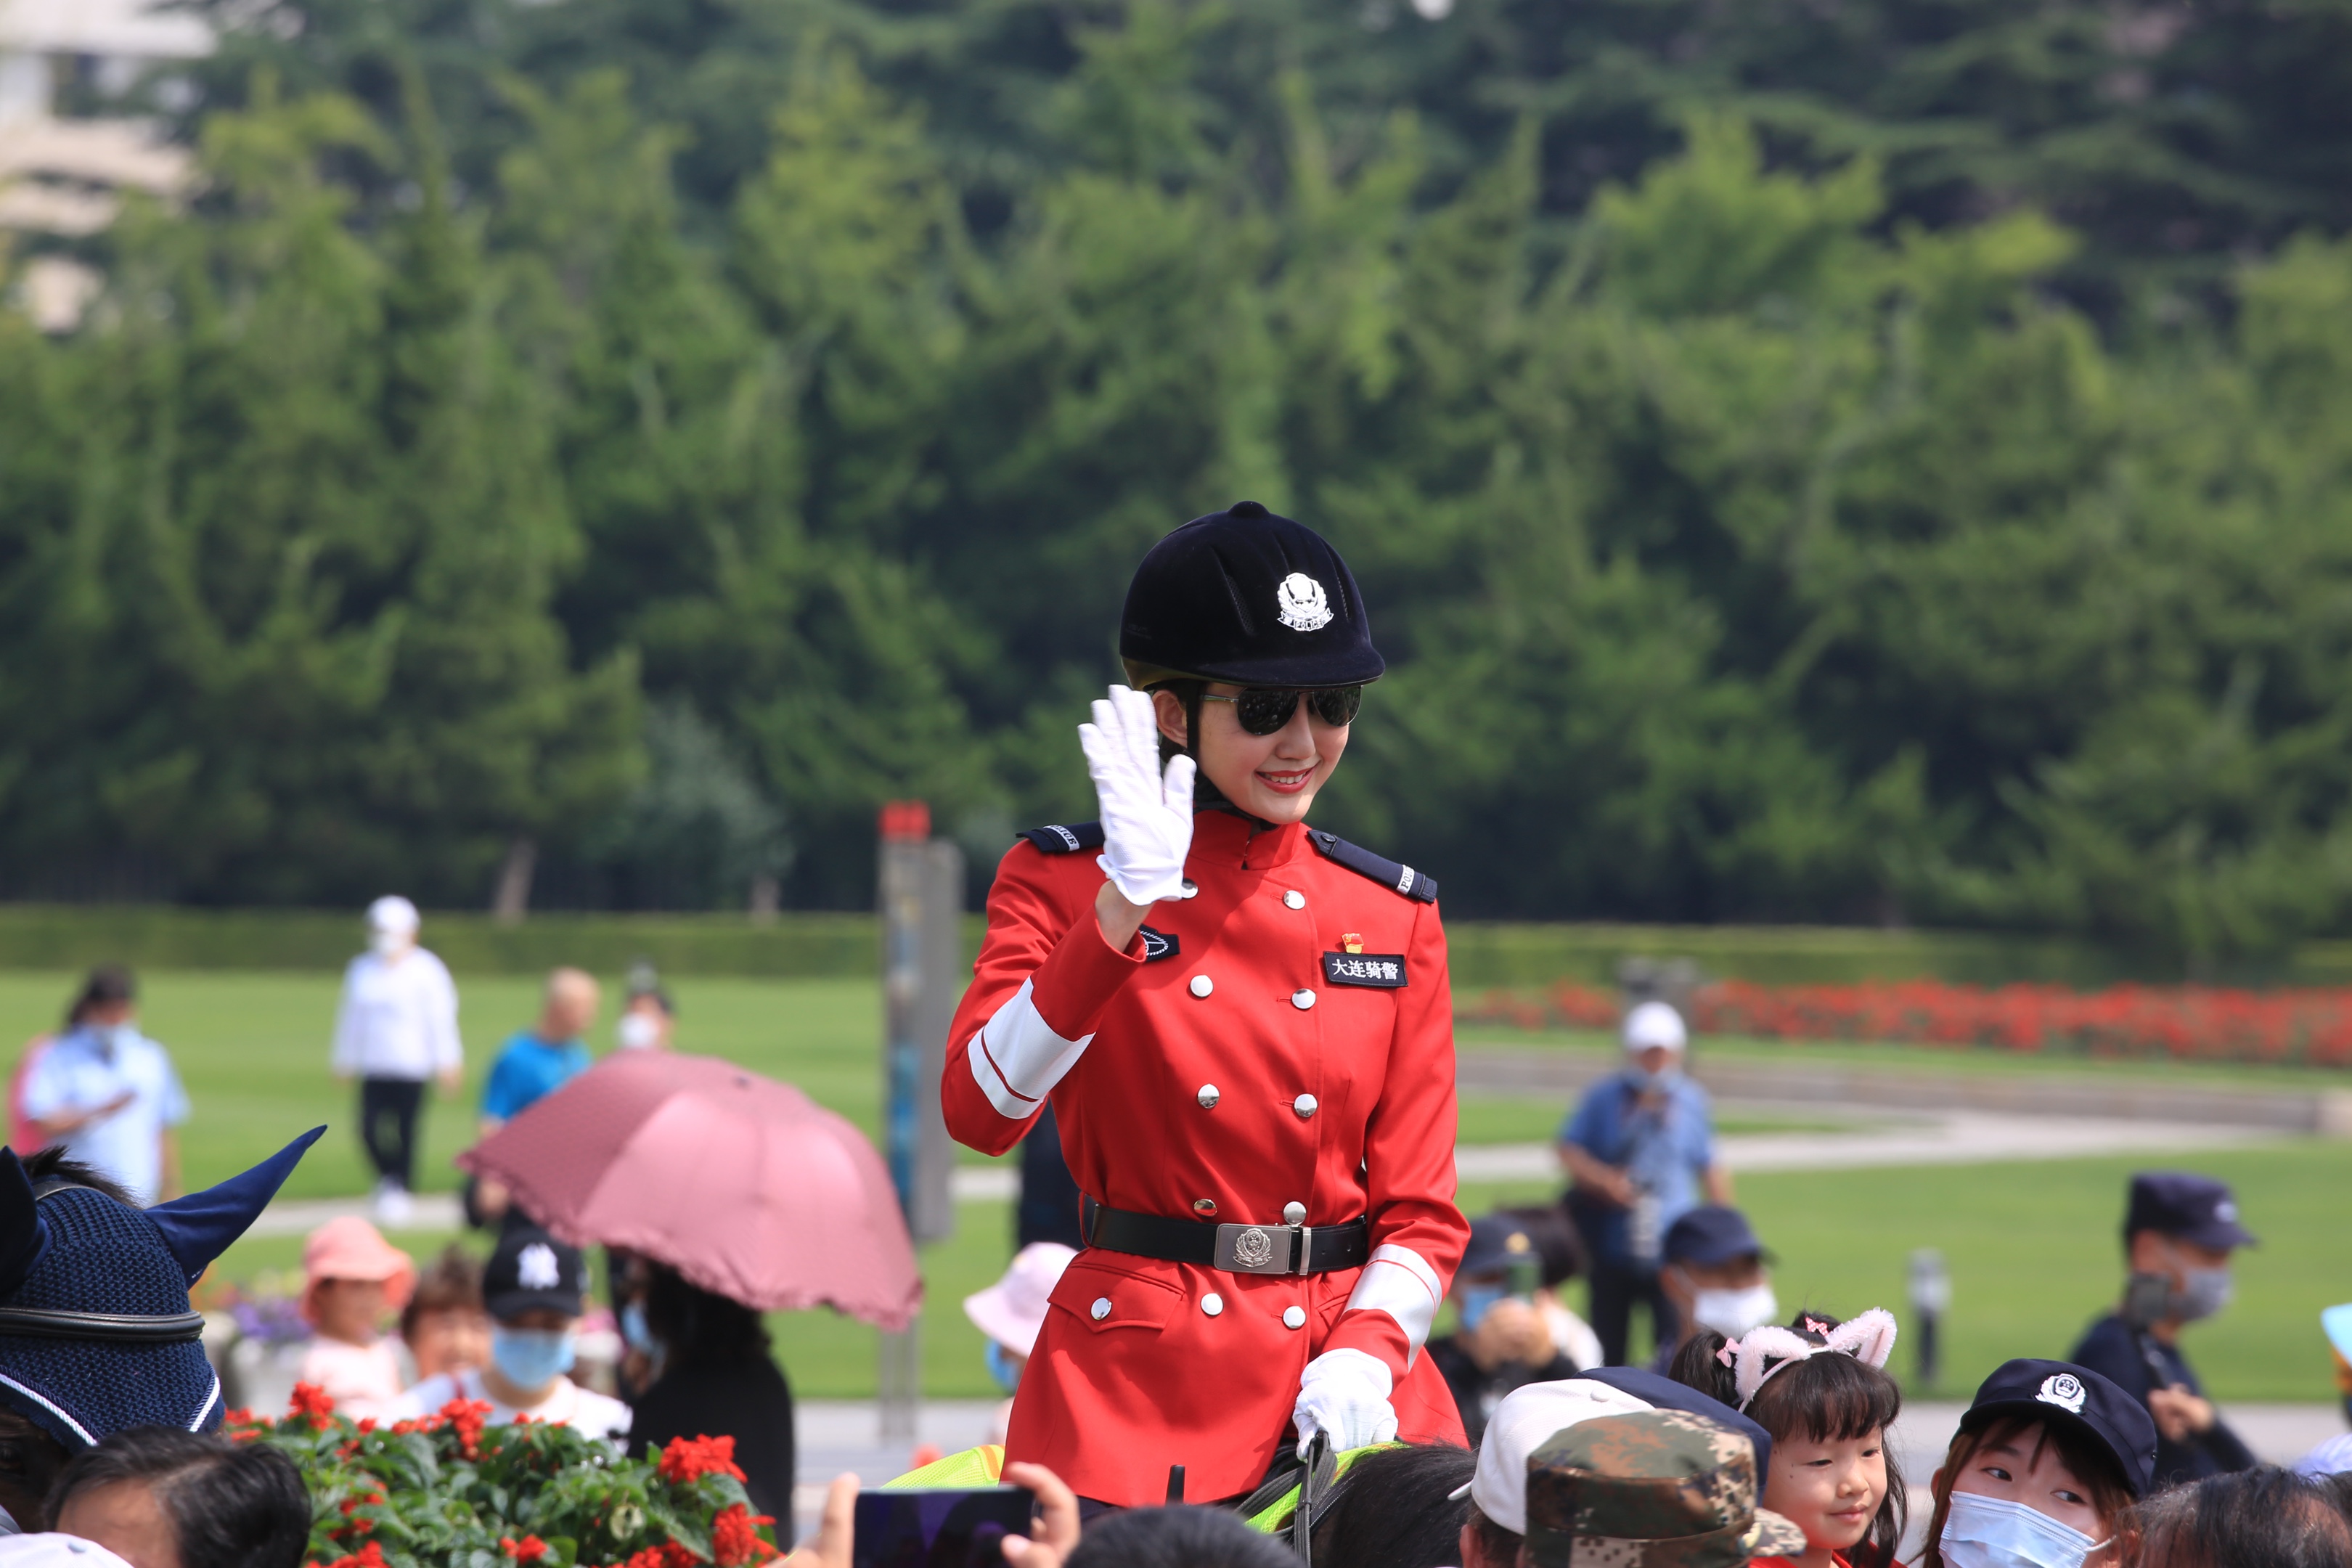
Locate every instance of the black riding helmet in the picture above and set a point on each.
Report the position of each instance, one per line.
(1246, 596)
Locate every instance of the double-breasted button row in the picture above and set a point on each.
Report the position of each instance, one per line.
(1213, 1305)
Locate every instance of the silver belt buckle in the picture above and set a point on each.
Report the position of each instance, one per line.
(1256, 1249)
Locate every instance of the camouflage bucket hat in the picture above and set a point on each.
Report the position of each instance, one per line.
(1659, 1489)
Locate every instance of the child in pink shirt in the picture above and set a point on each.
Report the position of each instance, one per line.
(355, 1279)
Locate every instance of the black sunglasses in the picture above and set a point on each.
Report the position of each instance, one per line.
(1263, 709)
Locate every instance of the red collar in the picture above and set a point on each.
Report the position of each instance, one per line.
(1222, 838)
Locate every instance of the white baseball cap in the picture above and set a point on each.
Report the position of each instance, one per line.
(1524, 1422)
(1012, 1310)
(1655, 1024)
(392, 913)
(48, 1550)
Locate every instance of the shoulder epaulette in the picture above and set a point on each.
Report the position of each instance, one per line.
(1390, 874)
(1057, 838)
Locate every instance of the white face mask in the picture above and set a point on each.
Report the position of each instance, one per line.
(638, 1031)
(1732, 1314)
(1994, 1533)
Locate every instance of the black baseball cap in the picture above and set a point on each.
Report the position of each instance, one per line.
(1665, 1394)
(1708, 1235)
(2061, 1392)
(2195, 1208)
(533, 1272)
(1496, 1240)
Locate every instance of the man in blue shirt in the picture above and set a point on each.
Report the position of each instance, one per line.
(533, 1064)
(1638, 1151)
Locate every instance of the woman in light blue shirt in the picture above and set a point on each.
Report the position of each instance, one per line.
(109, 1094)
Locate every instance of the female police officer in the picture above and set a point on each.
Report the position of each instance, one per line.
(1244, 1026)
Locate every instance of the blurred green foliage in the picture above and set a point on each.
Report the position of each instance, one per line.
(1806, 463)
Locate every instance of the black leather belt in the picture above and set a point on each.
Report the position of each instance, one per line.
(1236, 1248)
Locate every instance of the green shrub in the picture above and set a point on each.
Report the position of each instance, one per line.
(449, 1492)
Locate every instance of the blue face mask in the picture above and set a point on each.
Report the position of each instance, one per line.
(634, 1330)
(1002, 1367)
(1476, 1301)
(531, 1358)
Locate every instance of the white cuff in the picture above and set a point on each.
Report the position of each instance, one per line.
(1016, 1058)
(1398, 1282)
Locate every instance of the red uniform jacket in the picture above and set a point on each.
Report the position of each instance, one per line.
(1221, 1080)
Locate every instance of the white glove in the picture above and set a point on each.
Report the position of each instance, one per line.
(1344, 1393)
(1147, 818)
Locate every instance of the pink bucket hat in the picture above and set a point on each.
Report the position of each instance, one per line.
(349, 1248)
(1012, 1310)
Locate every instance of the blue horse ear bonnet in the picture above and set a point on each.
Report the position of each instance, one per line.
(96, 1332)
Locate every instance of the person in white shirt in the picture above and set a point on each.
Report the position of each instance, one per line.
(396, 1028)
(535, 1287)
(107, 1093)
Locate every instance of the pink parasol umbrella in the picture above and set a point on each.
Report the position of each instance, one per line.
(742, 1184)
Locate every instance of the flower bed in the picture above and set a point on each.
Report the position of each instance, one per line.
(448, 1491)
(2187, 1022)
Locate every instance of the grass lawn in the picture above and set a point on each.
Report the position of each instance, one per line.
(2035, 1254)
(2032, 1247)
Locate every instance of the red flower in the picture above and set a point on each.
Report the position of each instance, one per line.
(735, 1537)
(690, 1458)
(530, 1549)
(368, 1557)
(465, 1418)
(312, 1401)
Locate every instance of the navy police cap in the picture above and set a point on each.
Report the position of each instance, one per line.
(1246, 597)
(1709, 1234)
(2196, 1209)
(2061, 1392)
(1495, 1240)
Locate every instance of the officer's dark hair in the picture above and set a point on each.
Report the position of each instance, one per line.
(106, 985)
(698, 1327)
(2091, 1462)
(1823, 1399)
(1177, 1538)
(2261, 1518)
(1190, 692)
(1396, 1508)
(231, 1505)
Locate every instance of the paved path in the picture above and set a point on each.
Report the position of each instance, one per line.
(1954, 1138)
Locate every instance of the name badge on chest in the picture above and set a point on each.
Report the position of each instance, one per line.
(1383, 970)
(1158, 944)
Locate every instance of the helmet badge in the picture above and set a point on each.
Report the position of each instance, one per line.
(1303, 607)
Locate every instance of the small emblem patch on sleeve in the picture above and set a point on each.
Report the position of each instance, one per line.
(1383, 970)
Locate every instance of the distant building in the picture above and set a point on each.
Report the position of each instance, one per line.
(59, 175)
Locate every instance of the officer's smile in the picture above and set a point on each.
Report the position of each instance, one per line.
(1289, 783)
